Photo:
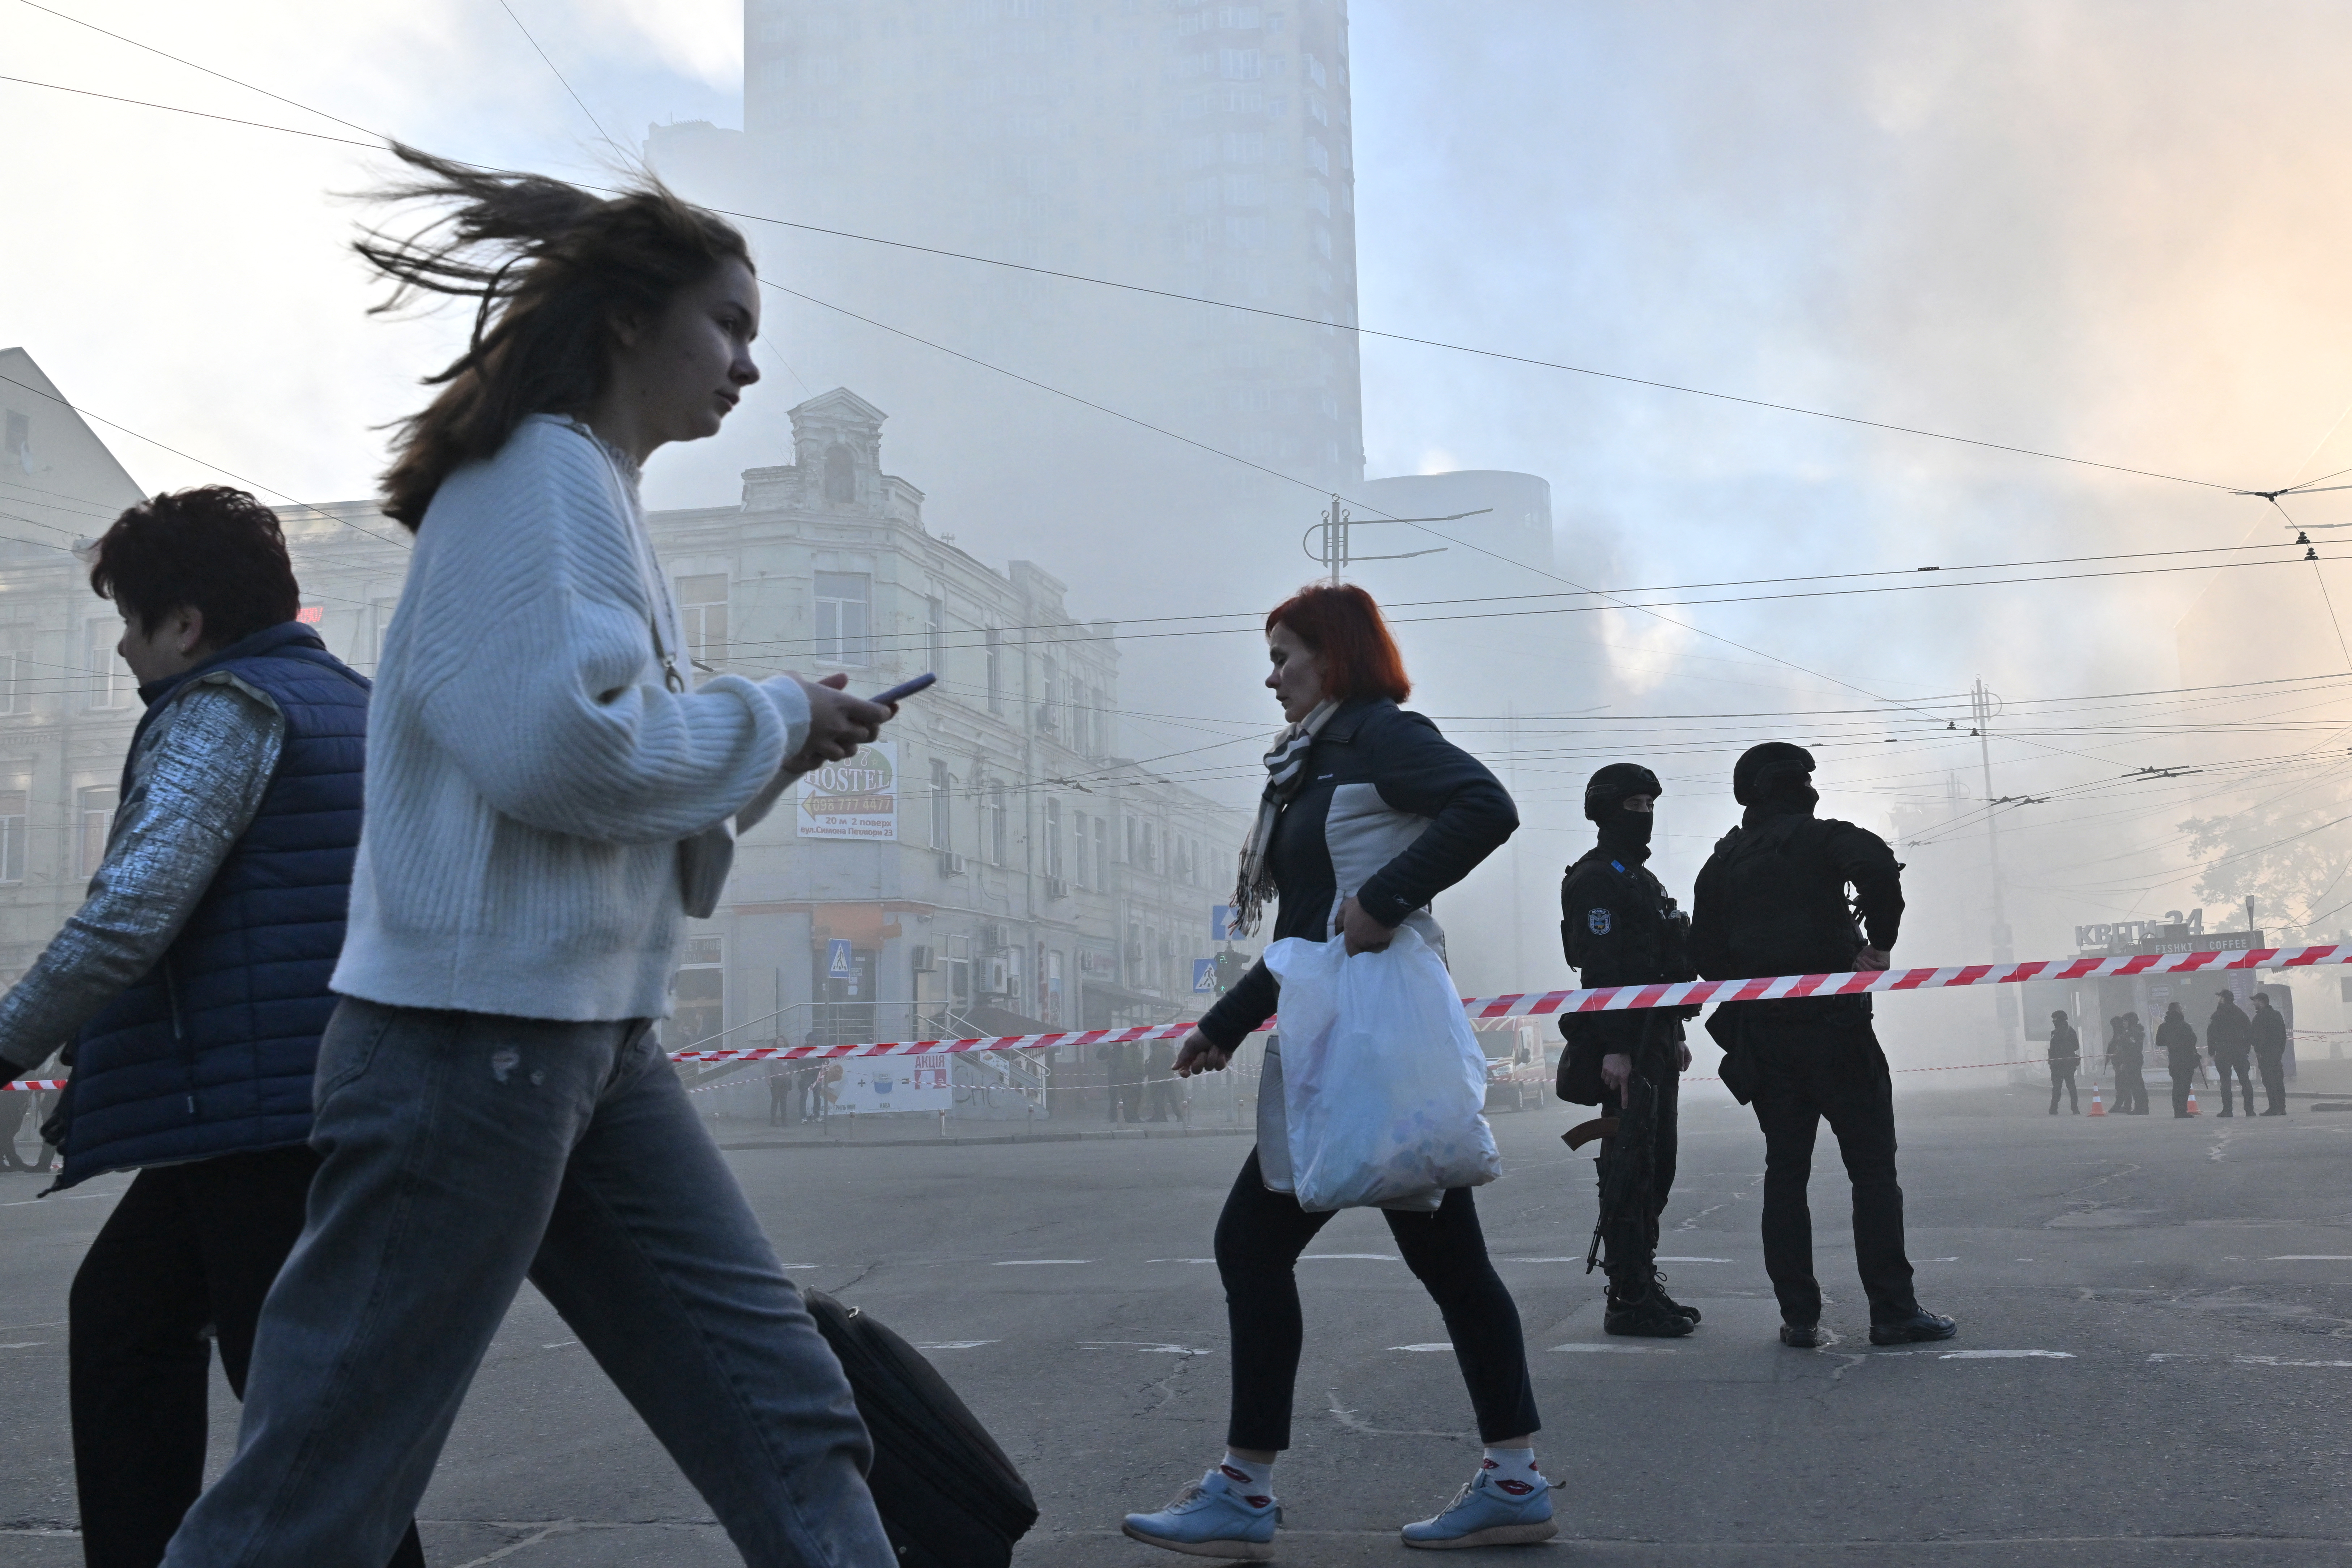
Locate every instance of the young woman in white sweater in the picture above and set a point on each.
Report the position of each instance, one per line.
(546, 795)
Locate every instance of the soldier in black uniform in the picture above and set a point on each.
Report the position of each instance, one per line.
(1618, 926)
(1772, 901)
(2065, 1056)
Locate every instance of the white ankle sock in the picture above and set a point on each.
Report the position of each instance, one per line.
(1514, 1470)
(1254, 1480)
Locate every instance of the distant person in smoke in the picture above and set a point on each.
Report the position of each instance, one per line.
(2178, 1041)
(2065, 1056)
(1159, 1083)
(2230, 1039)
(2125, 1051)
(2269, 1031)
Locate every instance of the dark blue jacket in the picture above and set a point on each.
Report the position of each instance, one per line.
(212, 1051)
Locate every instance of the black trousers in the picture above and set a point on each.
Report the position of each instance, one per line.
(2183, 1080)
(2062, 1077)
(1259, 1238)
(1629, 1275)
(188, 1248)
(1836, 1072)
(2240, 1068)
(1162, 1095)
(2274, 1081)
(1127, 1095)
(2131, 1089)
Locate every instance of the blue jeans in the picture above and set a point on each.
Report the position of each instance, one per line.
(460, 1153)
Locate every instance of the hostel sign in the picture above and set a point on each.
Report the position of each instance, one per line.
(856, 799)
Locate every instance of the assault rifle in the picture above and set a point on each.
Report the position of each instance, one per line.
(1627, 1158)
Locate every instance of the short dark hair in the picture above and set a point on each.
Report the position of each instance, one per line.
(1342, 623)
(212, 549)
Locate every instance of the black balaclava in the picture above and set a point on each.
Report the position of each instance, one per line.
(1625, 834)
(1774, 778)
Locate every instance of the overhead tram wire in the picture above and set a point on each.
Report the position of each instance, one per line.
(1376, 511)
(201, 462)
(560, 77)
(1169, 294)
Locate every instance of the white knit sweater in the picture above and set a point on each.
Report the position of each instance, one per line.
(529, 774)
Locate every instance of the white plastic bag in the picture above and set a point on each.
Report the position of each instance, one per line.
(1384, 1085)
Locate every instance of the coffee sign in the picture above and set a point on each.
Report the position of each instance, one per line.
(856, 799)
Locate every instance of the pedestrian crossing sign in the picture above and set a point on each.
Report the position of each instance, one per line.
(1205, 977)
(837, 959)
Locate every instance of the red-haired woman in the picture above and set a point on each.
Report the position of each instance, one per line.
(1369, 813)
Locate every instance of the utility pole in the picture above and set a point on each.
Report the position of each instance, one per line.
(1332, 548)
(2004, 950)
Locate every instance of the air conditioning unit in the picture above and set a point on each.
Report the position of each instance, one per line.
(1135, 952)
(950, 863)
(927, 959)
(1056, 888)
(991, 938)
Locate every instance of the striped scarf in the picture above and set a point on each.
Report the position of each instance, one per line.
(1286, 769)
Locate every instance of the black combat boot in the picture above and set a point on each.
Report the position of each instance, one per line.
(1658, 1288)
(1648, 1315)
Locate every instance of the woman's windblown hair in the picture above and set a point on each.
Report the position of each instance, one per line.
(553, 268)
(1342, 623)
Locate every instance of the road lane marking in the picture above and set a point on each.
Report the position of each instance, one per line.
(1337, 1257)
(1038, 1262)
(1695, 1260)
(1439, 1345)
(2004, 1355)
(1615, 1350)
(1147, 1347)
(2311, 1258)
(1179, 1260)
(953, 1344)
(24, 1345)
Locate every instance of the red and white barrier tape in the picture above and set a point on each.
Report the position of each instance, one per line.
(1602, 999)
(1622, 998)
(33, 1083)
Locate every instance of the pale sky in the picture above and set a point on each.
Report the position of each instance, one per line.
(2109, 230)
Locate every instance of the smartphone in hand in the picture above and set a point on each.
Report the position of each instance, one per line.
(904, 689)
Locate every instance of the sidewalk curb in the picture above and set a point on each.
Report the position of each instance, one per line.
(961, 1142)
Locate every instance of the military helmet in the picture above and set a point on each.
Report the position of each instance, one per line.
(1613, 784)
(1760, 767)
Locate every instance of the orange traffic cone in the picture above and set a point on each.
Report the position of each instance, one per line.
(2096, 1109)
(2192, 1102)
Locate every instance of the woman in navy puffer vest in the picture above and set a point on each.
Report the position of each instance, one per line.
(192, 986)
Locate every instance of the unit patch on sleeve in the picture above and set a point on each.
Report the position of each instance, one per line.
(1597, 921)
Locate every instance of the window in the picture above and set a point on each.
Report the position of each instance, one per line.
(996, 844)
(700, 992)
(379, 630)
(935, 633)
(1049, 713)
(1318, 157)
(844, 614)
(702, 617)
(13, 817)
(13, 698)
(840, 475)
(18, 448)
(995, 673)
(1054, 839)
(1102, 852)
(111, 684)
(93, 820)
(1079, 850)
(942, 799)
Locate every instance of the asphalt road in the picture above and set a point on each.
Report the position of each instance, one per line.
(2154, 1361)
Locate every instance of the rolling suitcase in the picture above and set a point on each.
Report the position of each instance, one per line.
(946, 1494)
